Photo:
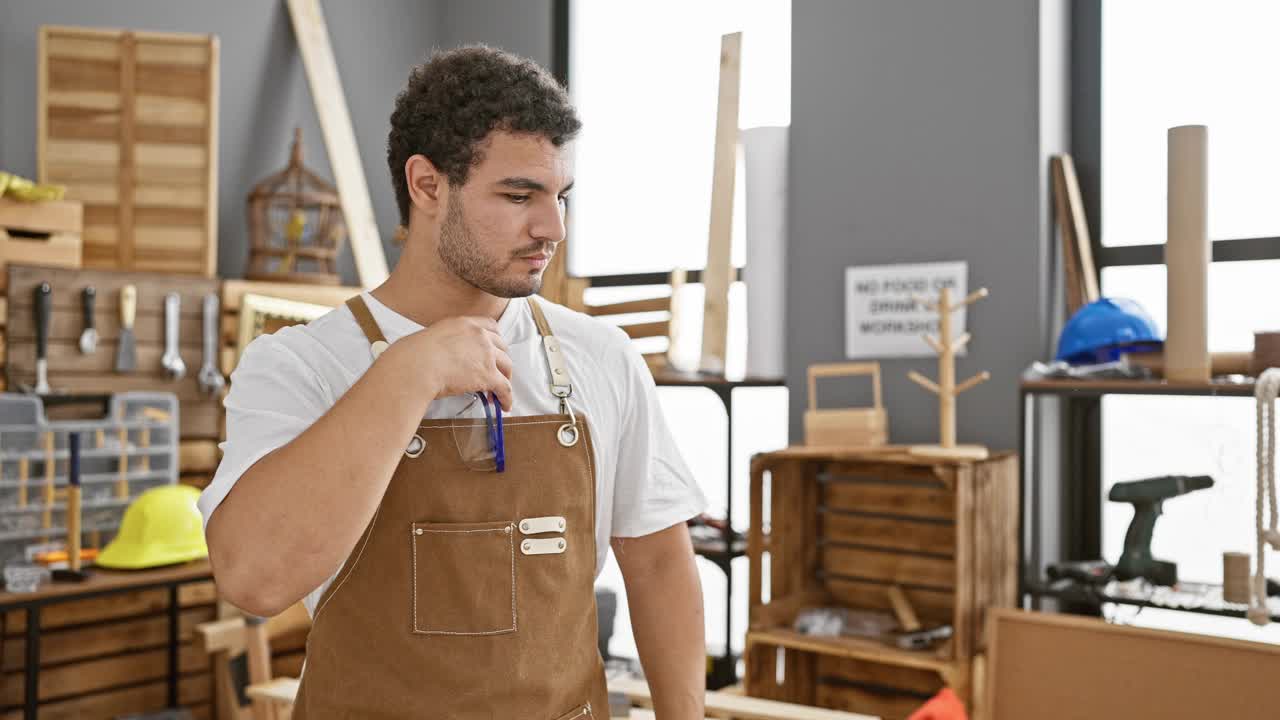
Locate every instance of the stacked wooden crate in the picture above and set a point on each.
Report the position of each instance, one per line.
(47, 233)
(103, 658)
(844, 527)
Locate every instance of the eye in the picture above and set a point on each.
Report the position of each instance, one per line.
(518, 199)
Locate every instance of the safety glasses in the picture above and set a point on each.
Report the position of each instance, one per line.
(477, 431)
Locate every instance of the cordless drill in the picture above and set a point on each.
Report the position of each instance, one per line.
(1147, 497)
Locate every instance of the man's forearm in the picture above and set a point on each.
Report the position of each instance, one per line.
(291, 519)
(665, 598)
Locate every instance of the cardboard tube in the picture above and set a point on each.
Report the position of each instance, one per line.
(1235, 577)
(1187, 256)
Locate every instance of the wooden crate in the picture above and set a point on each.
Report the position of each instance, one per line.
(128, 121)
(74, 372)
(104, 657)
(44, 233)
(846, 525)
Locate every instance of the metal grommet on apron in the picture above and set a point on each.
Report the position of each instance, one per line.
(469, 594)
(416, 446)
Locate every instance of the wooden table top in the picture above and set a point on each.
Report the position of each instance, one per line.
(102, 580)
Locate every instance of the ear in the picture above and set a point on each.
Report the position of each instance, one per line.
(428, 187)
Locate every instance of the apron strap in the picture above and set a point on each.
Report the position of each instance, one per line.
(364, 318)
(561, 386)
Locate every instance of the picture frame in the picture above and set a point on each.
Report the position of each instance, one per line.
(264, 314)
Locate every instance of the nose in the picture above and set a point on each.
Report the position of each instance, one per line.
(547, 223)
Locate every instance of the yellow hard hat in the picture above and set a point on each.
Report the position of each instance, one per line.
(161, 527)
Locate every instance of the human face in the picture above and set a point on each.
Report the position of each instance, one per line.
(503, 225)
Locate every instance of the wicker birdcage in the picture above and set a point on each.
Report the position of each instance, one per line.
(296, 225)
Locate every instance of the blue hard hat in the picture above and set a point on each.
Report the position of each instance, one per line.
(1104, 329)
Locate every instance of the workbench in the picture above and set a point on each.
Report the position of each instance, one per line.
(101, 583)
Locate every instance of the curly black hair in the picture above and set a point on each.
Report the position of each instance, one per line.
(455, 99)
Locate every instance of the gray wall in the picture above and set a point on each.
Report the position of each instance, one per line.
(916, 137)
(264, 91)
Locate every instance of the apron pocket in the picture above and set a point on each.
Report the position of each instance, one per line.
(464, 578)
(582, 712)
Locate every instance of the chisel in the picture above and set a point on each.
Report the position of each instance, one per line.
(125, 359)
(88, 336)
(43, 308)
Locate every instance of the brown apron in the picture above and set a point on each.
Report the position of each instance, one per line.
(471, 594)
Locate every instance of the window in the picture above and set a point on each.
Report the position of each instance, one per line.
(644, 77)
(1166, 63)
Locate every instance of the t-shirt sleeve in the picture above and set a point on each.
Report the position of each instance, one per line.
(653, 487)
(274, 396)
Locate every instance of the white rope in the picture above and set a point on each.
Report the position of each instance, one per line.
(1265, 391)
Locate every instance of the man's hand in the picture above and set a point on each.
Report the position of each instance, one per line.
(665, 597)
(462, 355)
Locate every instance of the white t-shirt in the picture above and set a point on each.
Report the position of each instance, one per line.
(287, 380)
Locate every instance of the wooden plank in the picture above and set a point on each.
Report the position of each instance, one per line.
(125, 604)
(55, 216)
(104, 673)
(65, 357)
(177, 112)
(924, 682)
(339, 140)
(171, 80)
(718, 274)
(910, 501)
(883, 705)
(848, 647)
(168, 155)
(81, 75)
(66, 325)
(105, 639)
(188, 49)
(212, 82)
(194, 693)
(892, 567)
(647, 330)
(967, 613)
(889, 533)
(233, 292)
(90, 103)
(65, 45)
(127, 181)
(658, 304)
(936, 606)
(736, 706)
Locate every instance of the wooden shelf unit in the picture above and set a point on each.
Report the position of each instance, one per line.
(844, 525)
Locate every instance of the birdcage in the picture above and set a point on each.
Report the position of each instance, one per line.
(295, 225)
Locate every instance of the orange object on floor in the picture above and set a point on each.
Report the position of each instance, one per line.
(944, 706)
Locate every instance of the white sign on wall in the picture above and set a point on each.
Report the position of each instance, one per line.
(882, 315)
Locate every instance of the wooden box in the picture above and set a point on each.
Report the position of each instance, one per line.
(845, 427)
(128, 121)
(846, 525)
(45, 233)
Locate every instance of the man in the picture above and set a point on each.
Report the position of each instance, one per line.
(361, 468)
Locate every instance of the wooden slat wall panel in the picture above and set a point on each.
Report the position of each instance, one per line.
(69, 370)
(128, 121)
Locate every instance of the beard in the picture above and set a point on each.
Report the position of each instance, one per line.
(464, 257)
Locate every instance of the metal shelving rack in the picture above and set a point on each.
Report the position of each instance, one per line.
(1067, 465)
(724, 669)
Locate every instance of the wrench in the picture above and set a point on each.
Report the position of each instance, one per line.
(211, 381)
(172, 360)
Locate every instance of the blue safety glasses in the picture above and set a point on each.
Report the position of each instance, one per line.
(477, 431)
